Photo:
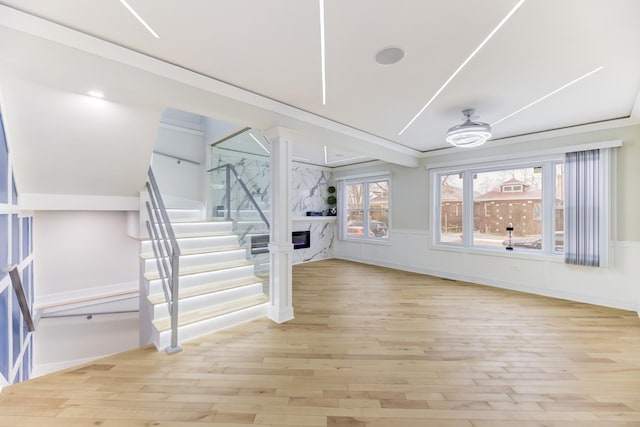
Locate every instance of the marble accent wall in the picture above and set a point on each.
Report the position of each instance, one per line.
(309, 193)
(254, 171)
(323, 232)
(309, 189)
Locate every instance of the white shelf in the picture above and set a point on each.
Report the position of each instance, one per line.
(314, 218)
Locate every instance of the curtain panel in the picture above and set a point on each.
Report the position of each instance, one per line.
(582, 208)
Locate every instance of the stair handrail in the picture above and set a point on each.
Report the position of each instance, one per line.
(165, 248)
(22, 298)
(227, 195)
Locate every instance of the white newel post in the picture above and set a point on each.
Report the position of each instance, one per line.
(280, 245)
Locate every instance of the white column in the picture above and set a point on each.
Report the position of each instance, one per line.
(280, 246)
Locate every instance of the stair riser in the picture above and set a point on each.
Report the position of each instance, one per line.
(195, 228)
(208, 326)
(187, 229)
(185, 215)
(196, 243)
(200, 260)
(155, 286)
(160, 311)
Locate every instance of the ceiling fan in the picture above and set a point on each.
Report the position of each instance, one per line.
(469, 134)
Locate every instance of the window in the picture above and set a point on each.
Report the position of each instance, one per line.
(366, 210)
(526, 197)
(450, 192)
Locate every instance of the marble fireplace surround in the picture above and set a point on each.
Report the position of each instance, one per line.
(308, 193)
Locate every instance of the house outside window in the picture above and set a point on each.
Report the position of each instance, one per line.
(524, 197)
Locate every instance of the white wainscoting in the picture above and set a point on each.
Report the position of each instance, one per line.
(614, 286)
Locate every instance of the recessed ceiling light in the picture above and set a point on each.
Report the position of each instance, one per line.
(95, 93)
(139, 18)
(455, 73)
(389, 56)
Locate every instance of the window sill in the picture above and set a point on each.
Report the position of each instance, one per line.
(529, 254)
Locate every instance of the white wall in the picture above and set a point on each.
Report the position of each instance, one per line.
(80, 255)
(180, 178)
(409, 245)
(64, 342)
(83, 253)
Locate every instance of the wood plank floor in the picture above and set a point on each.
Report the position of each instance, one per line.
(368, 347)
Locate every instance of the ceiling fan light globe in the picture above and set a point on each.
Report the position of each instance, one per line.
(469, 134)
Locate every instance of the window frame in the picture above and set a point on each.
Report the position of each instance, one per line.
(468, 172)
(365, 180)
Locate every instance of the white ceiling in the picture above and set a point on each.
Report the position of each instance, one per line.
(272, 49)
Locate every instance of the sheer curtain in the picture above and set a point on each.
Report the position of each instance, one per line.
(582, 208)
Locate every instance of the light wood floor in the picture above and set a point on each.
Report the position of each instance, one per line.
(368, 347)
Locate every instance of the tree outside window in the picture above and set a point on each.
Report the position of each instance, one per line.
(367, 209)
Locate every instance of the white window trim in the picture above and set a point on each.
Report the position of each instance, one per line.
(467, 167)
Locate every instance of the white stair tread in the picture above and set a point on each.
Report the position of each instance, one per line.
(199, 251)
(200, 315)
(207, 289)
(203, 269)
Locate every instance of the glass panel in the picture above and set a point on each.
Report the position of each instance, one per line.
(26, 364)
(379, 209)
(4, 244)
(249, 155)
(31, 285)
(14, 192)
(451, 190)
(16, 326)
(559, 209)
(27, 283)
(4, 166)
(508, 198)
(15, 239)
(355, 210)
(4, 333)
(355, 196)
(29, 352)
(25, 327)
(355, 224)
(26, 237)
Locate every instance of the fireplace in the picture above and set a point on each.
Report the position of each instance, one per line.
(301, 239)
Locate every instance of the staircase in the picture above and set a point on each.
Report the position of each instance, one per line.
(248, 224)
(218, 288)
